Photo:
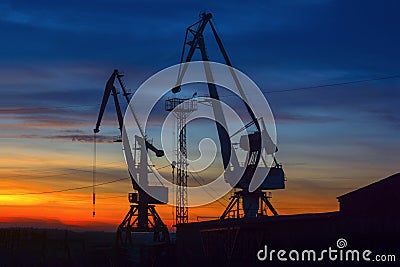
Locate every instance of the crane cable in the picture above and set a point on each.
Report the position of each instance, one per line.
(94, 175)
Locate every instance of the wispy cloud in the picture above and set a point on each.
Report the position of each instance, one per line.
(84, 138)
(282, 118)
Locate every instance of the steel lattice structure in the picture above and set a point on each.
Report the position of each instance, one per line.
(181, 108)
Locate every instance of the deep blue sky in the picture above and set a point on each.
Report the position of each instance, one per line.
(55, 57)
(50, 47)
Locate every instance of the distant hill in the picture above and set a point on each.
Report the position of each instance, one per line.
(6, 222)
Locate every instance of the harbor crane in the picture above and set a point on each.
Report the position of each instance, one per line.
(254, 203)
(142, 216)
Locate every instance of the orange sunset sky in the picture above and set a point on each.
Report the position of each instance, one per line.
(57, 57)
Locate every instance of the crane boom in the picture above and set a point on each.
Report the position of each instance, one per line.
(142, 216)
(111, 90)
(227, 152)
(251, 193)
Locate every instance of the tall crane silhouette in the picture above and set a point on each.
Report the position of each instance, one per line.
(142, 215)
(259, 141)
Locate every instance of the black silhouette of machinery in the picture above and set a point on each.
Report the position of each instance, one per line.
(256, 142)
(142, 215)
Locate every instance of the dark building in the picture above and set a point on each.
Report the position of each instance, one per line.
(369, 215)
(368, 219)
(380, 199)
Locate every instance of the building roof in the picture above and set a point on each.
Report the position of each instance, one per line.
(385, 183)
(259, 221)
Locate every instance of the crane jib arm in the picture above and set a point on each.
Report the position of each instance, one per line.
(110, 89)
(227, 151)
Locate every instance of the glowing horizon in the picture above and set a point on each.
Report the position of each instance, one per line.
(56, 59)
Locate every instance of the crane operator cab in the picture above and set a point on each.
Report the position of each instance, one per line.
(256, 178)
(272, 177)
